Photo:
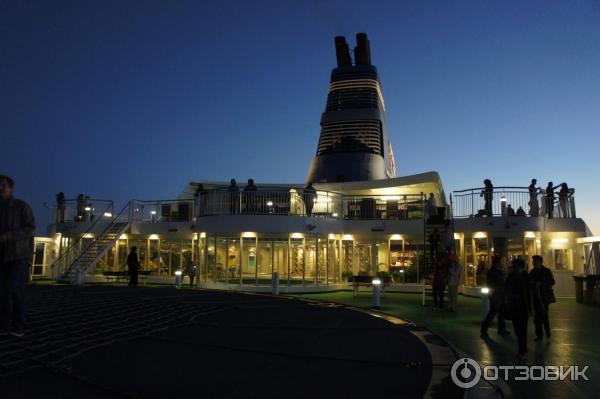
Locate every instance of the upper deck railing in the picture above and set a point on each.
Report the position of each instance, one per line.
(86, 210)
(512, 201)
(285, 202)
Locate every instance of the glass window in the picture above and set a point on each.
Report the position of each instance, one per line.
(266, 254)
(38, 258)
(310, 260)
(249, 259)
(280, 258)
(563, 259)
(347, 259)
(296, 259)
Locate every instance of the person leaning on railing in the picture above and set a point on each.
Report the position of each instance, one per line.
(308, 195)
(250, 197)
(563, 200)
(550, 199)
(234, 197)
(534, 207)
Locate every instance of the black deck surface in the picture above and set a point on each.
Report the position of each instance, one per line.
(145, 342)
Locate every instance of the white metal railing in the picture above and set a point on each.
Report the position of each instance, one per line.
(512, 201)
(283, 202)
(162, 211)
(84, 210)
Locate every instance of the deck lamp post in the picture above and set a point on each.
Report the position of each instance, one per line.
(503, 203)
(376, 293)
(485, 302)
(178, 277)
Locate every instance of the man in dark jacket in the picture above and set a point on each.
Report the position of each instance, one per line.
(133, 265)
(496, 285)
(17, 227)
(518, 302)
(542, 281)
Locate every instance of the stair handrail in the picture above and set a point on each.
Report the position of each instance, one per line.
(75, 245)
(114, 219)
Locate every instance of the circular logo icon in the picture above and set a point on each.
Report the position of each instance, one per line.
(465, 372)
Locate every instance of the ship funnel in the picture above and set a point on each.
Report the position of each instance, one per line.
(362, 51)
(342, 52)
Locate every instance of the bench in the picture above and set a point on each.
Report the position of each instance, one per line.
(122, 276)
(367, 281)
(116, 276)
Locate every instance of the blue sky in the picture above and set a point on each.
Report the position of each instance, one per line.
(124, 99)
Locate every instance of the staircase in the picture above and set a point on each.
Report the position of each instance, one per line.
(77, 261)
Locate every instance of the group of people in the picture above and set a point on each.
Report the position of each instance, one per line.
(563, 199)
(534, 207)
(515, 295)
(446, 274)
(83, 209)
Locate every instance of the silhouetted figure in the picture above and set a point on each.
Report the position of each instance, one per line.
(434, 243)
(133, 266)
(496, 284)
(563, 200)
(517, 303)
(510, 211)
(309, 195)
(488, 195)
(431, 208)
(550, 200)
(190, 269)
(17, 227)
(521, 211)
(234, 197)
(61, 202)
(534, 207)
(80, 207)
(542, 282)
(439, 280)
(250, 197)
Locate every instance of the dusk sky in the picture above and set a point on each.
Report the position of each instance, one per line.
(133, 99)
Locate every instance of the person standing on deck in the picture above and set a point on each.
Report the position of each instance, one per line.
(542, 281)
(496, 285)
(133, 265)
(234, 197)
(308, 195)
(60, 207)
(431, 208)
(534, 207)
(488, 195)
(250, 197)
(550, 200)
(517, 305)
(17, 227)
(563, 200)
